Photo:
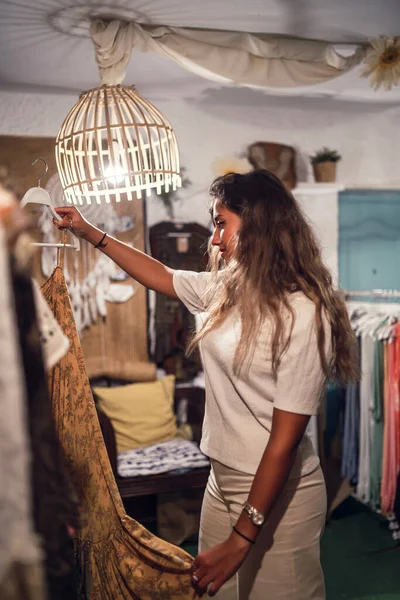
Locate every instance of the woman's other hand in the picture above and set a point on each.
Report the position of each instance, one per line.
(71, 218)
(212, 568)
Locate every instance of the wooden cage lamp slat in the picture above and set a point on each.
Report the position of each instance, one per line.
(115, 145)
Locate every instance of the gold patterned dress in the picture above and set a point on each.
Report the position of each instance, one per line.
(117, 558)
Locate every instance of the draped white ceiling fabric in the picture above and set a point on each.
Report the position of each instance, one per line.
(256, 60)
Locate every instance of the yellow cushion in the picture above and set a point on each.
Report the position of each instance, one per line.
(141, 413)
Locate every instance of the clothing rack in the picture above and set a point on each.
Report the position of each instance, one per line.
(379, 364)
(371, 294)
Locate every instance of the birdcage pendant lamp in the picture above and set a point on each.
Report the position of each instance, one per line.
(115, 145)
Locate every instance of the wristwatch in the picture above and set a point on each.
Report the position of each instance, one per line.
(255, 516)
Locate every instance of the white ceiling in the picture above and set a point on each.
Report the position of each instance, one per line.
(44, 44)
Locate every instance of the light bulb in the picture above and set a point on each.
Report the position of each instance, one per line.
(115, 173)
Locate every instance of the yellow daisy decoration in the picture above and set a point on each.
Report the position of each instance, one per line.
(383, 62)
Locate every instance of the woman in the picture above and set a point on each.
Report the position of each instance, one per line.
(273, 332)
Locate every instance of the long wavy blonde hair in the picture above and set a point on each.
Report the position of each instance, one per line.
(276, 254)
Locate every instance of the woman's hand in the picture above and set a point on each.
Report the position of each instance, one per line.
(71, 218)
(220, 563)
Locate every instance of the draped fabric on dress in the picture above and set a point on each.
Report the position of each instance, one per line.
(117, 558)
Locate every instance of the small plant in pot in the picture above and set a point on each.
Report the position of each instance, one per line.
(324, 165)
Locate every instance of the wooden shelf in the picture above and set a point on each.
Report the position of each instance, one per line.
(317, 188)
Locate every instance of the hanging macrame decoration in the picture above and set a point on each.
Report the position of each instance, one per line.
(92, 277)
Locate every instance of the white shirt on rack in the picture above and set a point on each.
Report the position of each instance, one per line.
(366, 421)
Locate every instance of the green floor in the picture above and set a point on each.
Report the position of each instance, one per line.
(359, 557)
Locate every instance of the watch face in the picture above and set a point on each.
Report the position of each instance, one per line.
(257, 519)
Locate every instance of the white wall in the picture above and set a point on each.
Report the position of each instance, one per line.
(223, 122)
(321, 205)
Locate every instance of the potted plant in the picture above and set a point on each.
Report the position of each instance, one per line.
(324, 164)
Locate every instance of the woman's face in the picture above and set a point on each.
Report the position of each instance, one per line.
(226, 227)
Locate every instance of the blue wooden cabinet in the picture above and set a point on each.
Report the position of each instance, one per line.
(369, 239)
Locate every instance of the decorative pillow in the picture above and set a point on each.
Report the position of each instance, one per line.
(141, 413)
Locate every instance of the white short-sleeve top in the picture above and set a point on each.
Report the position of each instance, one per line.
(238, 413)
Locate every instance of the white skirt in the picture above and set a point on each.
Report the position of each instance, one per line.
(284, 564)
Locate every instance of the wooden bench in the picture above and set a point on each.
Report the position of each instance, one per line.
(139, 494)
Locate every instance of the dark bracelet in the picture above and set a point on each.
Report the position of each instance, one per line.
(243, 536)
(100, 244)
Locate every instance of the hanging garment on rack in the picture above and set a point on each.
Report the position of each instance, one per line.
(397, 499)
(351, 434)
(377, 432)
(366, 400)
(21, 573)
(117, 557)
(396, 396)
(178, 246)
(334, 411)
(55, 506)
(389, 459)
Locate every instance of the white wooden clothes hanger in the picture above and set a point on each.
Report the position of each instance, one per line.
(38, 195)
